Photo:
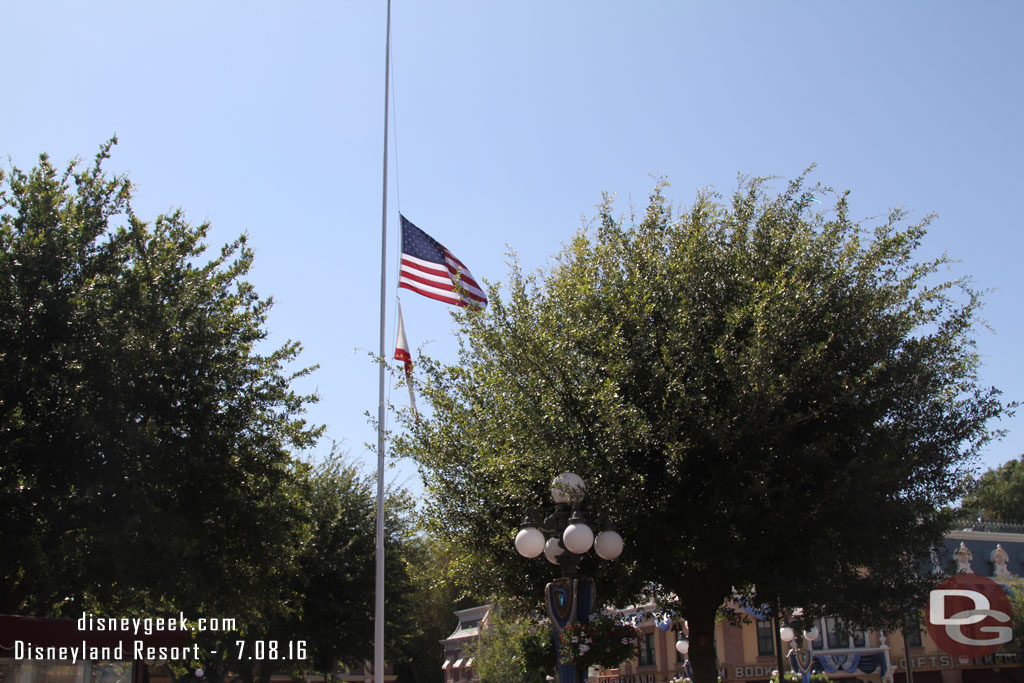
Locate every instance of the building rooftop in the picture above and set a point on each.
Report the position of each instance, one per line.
(469, 623)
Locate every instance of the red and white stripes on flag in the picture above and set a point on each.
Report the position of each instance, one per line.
(403, 354)
(428, 268)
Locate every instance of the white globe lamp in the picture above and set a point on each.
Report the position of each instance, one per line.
(608, 544)
(552, 550)
(529, 542)
(567, 488)
(578, 538)
(787, 634)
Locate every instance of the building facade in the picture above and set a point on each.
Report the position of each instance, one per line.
(746, 651)
(458, 659)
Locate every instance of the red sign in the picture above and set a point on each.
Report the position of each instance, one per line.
(969, 616)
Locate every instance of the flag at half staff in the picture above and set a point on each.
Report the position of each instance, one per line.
(403, 354)
(428, 268)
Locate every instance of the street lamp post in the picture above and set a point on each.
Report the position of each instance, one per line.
(683, 648)
(801, 657)
(571, 598)
(786, 636)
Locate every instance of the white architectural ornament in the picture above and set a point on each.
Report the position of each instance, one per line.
(1000, 559)
(963, 559)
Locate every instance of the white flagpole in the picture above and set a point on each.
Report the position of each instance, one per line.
(378, 615)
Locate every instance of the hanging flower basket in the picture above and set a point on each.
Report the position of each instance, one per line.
(601, 642)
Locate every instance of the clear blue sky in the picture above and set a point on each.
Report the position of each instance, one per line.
(511, 119)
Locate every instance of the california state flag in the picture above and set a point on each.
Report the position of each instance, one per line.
(403, 354)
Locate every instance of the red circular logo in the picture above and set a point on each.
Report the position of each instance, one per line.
(969, 616)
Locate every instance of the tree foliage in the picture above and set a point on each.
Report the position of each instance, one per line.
(337, 566)
(1016, 594)
(145, 434)
(151, 442)
(435, 581)
(513, 650)
(145, 437)
(998, 495)
(766, 396)
(327, 600)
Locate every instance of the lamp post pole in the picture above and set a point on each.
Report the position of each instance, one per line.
(801, 662)
(906, 653)
(783, 635)
(571, 598)
(683, 648)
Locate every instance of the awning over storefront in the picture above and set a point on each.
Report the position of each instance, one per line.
(983, 676)
(1016, 675)
(919, 677)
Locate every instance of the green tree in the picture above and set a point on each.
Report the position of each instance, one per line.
(438, 591)
(327, 598)
(337, 567)
(768, 398)
(1016, 594)
(513, 650)
(146, 433)
(999, 494)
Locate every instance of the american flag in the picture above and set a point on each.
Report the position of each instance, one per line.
(428, 268)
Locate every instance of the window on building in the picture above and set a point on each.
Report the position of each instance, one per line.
(646, 654)
(840, 635)
(833, 637)
(765, 638)
(819, 642)
(913, 635)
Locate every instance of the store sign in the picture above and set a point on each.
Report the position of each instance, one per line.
(757, 671)
(634, 678)
(968, 616)
(949, 662)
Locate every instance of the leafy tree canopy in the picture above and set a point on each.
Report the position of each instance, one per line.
(326, 599)
(1017, 623)
(512, 650)
(146, 434)
(769, 398)
(999, 494)
(436, 585)
(150, 442)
